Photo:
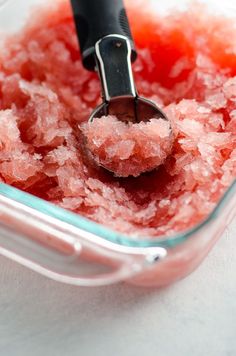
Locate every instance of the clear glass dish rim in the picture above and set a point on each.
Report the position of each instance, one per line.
(106, 233)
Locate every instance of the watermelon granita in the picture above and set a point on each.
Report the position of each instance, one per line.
(186, 64)
(125, 148)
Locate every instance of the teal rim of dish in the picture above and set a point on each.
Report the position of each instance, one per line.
(97, 229)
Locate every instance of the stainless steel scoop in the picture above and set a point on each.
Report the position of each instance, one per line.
(120, 98)
(107, 46)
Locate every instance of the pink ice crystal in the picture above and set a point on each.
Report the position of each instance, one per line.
(128, 149)
(186, 64)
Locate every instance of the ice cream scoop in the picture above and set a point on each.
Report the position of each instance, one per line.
(107, 46)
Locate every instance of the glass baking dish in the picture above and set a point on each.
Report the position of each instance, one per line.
(68, 248)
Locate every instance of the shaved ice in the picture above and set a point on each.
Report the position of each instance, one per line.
(186, 64)
(128, 149)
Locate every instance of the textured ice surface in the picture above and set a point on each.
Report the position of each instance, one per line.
(128, 149)
(187, 64)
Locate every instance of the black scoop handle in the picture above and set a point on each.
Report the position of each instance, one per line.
(95, 19)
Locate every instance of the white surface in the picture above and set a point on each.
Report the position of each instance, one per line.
(195, 317)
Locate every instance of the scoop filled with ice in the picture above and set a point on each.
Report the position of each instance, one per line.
(127, 135)
(128, 149)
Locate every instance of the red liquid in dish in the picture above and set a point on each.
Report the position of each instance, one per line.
(187, 64)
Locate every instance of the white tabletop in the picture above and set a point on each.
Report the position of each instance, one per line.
(196, 316)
